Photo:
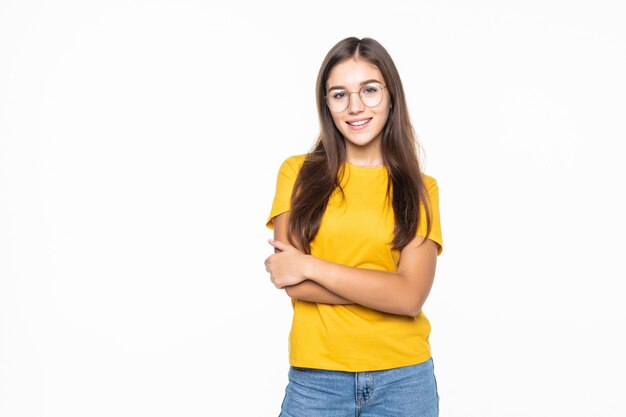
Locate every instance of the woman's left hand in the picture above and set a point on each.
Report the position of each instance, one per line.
(286, 267)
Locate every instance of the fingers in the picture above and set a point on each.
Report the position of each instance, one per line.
(267, 268)
(276, 284)
(278, 244)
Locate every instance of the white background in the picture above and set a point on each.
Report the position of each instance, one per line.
(139, 146)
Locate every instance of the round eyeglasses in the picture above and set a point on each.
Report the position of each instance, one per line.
(370, 94)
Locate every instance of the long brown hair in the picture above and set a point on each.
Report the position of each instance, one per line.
(323, 167)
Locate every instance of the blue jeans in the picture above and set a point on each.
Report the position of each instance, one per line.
(409, 391)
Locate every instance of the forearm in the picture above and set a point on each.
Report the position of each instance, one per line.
(312, 291)
(309, 278)
(306, 290)
(385, 291)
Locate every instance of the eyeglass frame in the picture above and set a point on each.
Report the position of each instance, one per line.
(358, 93)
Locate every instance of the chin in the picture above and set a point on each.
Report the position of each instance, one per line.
(359, 141)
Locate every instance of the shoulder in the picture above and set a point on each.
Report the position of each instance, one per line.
(292, 164)
(295, 160)
(429, 182)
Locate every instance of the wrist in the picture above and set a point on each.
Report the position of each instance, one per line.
(309, 267)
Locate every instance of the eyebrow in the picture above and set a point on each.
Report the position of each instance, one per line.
(340, 87)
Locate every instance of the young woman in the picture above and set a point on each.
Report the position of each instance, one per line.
(356, 239)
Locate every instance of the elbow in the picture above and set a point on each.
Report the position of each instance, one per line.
(292, 291)
(413, 301)
(413, 311)
(413, 308)
(408, 308)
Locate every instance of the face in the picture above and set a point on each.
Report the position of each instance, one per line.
(360, 125)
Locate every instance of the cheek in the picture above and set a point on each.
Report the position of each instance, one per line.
(383, 109)
(337, 122)
(383, 115)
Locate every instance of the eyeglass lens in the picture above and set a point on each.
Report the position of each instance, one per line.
(371, 95)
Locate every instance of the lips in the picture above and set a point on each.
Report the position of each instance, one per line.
(359, 122)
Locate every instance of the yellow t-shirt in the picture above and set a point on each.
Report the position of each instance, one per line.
(356, 231)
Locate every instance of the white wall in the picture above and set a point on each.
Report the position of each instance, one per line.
(139, 144)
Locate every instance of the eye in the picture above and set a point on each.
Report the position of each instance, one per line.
(370, 89)
(339, 95)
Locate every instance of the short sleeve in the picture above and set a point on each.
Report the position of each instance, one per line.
(284, 186)
(435, 228)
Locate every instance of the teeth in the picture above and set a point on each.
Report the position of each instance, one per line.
(361, 123)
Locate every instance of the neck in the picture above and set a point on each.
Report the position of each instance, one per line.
(365, 164)
(367, 157)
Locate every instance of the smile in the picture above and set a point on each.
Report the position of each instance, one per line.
(359, 123)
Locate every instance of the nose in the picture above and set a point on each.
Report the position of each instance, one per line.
(356, 104)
